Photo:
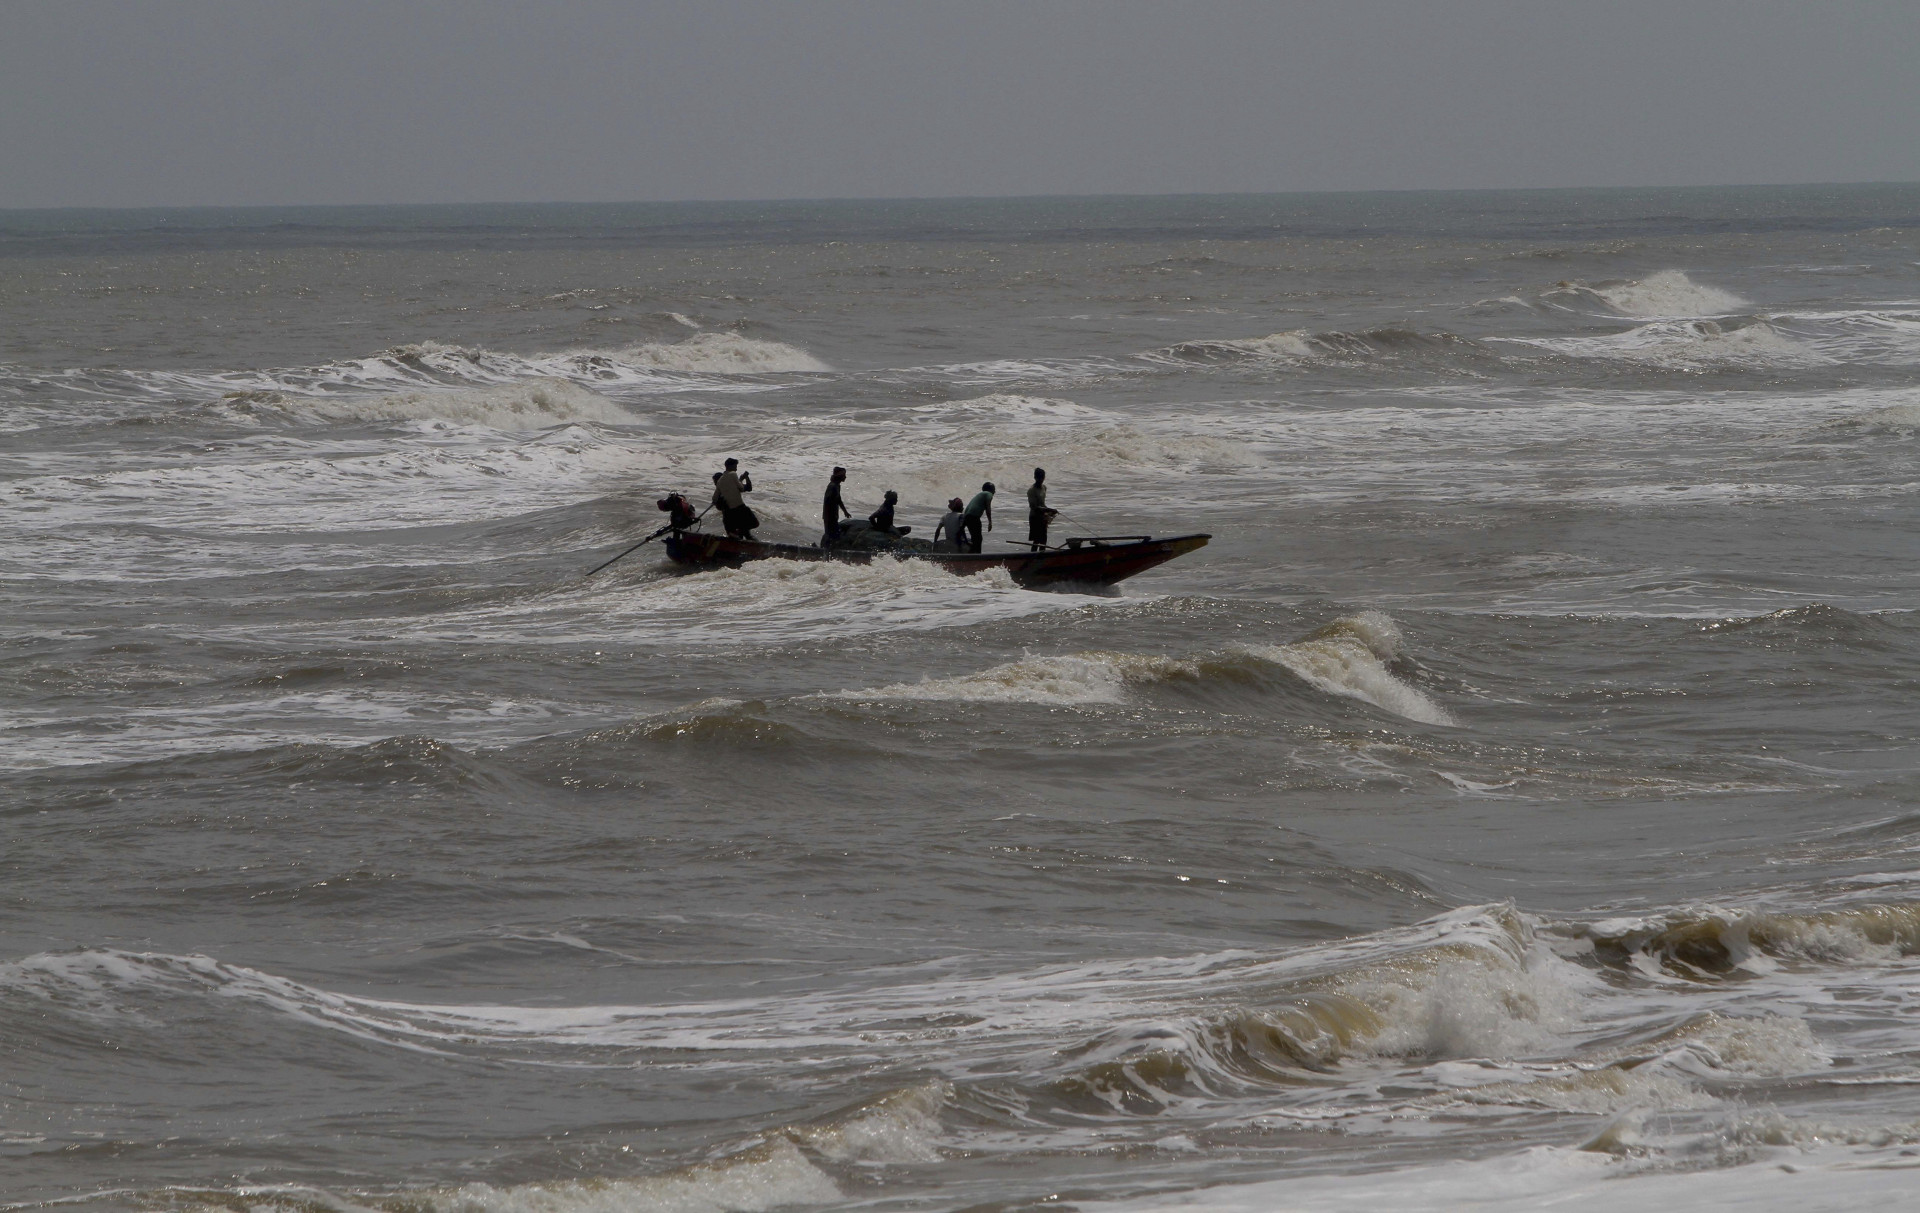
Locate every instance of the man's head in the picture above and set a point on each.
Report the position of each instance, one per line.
(987, 487)
(732, 464)
(956, 504)
(892, 496)
(1039, 475)
(839, 473)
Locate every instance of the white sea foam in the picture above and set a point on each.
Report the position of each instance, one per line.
(902, 1127)
(1005, 370)
(1001, 407)
(1483, 1005)
(1669, 293)
(707, 361)
(771, 1175)
(956, 462)
(1903, 417)
(724, 353)
(1574, 1181)
(1719, 1046)
(1028, 1008)
(1080, 678)
(1591, 1091)
(765, 601)
(339, 718)
(1471, 1014)
(526, 404)
(1684, 344)
(352, 484)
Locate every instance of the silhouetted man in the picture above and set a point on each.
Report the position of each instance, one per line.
(832, 509)
(1038, 515)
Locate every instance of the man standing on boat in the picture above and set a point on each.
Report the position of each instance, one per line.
(832, 509)
(728, 490)
(1038, 515)
(980, 506)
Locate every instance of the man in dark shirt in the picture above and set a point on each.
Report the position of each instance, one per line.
(832, 509)
(1038, 515)
(981, 505)
(882, 519)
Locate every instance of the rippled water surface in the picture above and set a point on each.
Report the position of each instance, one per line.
(1517, 801)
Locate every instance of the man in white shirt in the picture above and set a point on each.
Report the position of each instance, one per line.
(728, 490)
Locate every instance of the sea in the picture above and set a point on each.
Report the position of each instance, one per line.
(1515, 804)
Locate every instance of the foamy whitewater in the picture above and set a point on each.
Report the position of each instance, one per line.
(1512, 807)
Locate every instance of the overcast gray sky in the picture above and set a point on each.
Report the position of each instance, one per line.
(117, 103)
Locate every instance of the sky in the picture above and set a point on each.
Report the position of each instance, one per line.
(264, 102)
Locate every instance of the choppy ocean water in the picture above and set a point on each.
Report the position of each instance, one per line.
(1516, 801)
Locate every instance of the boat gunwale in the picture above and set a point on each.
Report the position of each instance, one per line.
(1097, 560)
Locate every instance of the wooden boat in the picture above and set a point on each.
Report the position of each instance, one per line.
(1096, 561)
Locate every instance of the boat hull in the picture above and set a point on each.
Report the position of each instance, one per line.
(1088, 564)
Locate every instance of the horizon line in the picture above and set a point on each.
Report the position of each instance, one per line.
(924, 198)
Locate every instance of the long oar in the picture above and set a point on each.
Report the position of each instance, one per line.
(1073, 522)
(643, 543)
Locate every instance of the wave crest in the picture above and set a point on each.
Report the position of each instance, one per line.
(527, 404)
(1349, 658)
(1716, 943)
(1667, 293)
(1301, 345)
(1691, 344)
(1346, 658)
(723, 353)
(771, 1175)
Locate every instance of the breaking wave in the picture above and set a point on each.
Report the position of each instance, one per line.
(1667, 294)
(527, 404)
(1716, 943)
(1691, 344)
(1477, 1011)
(414, 380)
(1347, 658)
(723, 353)
(346, 487)
(1300, 345)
